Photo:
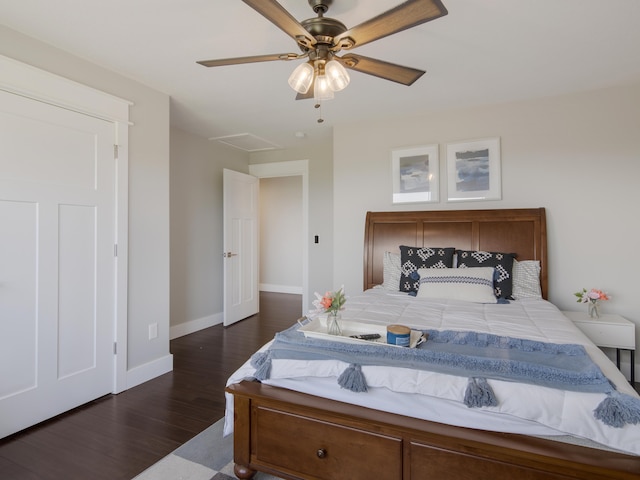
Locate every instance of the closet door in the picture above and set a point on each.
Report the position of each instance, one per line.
(57, 264)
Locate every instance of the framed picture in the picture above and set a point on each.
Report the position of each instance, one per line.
(473, 170)
(415, 174)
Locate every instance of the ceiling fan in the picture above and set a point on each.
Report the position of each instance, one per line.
(321, 38)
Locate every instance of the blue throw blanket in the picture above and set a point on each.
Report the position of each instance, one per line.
(469, 354)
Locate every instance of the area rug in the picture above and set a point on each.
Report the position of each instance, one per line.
(207, 456)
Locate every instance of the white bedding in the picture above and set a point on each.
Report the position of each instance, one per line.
(525, 409)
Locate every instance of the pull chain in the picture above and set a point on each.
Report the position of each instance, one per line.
(319, 107)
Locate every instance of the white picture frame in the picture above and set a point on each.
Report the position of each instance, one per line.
(473, 170)
(415, 174)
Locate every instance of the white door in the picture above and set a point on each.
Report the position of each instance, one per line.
(57, 265)
(241, 298)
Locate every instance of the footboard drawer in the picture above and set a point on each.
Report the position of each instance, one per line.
(429, 462)
(351, 453)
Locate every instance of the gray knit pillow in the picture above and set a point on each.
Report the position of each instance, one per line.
(391, 271)
(526, 279)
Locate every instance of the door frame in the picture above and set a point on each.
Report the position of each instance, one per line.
(31, 82)
(291, 169)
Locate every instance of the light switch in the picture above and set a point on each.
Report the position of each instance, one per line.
(153, 331)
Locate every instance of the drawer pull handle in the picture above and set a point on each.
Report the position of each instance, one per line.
(321, 453)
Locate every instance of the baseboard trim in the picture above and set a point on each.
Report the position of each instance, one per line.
(149, 371)
(193, 326)
(269, 287)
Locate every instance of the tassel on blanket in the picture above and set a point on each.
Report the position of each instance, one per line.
(479, 393)
(618, 410)
(261, 361)
(353, 379)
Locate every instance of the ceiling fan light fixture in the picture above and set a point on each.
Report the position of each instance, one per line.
(321, 89)
(302, 78)
(337, 76)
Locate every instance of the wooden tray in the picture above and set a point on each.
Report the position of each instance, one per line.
(317, 328)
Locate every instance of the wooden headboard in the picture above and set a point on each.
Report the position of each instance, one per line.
(521, 231)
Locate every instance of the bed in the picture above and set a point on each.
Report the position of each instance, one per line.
(304, 427)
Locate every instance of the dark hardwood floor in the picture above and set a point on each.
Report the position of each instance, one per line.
(118, 436)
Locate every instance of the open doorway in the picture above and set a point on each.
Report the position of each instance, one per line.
(294, 176)
(280, 207)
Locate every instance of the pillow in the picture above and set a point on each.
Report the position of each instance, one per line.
(473, 284)
(391, 271)
(502, 262)
(413, 258)
(526, 279)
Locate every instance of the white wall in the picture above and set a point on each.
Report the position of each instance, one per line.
(148, 288)
(196, 229)
(575, 155)
(281, 234)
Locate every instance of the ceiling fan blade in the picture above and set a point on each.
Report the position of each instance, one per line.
(380, 68)
(406, 15)
(276, 14)
(253, 59)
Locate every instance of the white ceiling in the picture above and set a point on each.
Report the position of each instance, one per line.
(483, 51)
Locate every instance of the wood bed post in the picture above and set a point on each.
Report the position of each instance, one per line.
(242, 438)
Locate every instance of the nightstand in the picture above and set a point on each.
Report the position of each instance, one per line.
(609, 330)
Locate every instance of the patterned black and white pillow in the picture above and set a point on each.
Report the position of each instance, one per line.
(502, 262)
(414, 258)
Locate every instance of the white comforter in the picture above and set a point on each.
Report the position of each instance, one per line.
(522, 408)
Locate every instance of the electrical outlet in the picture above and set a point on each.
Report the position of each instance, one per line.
(153, 331)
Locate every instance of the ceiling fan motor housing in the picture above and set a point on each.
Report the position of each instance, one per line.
(324, 29)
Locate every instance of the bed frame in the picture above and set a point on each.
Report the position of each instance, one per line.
(297, 436)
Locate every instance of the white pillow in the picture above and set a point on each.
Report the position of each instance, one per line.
(526, 279)
(474, 284)
(391, 271)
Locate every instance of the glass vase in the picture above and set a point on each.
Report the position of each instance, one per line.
(594, 309)
(333, 323)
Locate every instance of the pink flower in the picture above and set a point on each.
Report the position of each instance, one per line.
(598, 294)
(594, 295)
(326, 301)
(330, 301)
